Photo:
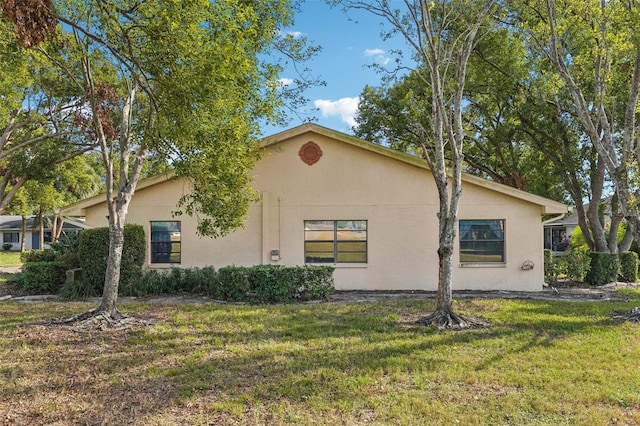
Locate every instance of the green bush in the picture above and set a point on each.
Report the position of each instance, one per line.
(198, 280)
(577, 265)
(43, 277)
(93, 251)
(7, 246)
(67, 244)
(176, 280)
(38, 256)
(629, 266)
(232, 284)
(318, 282)
(77, 290)
(273, 283)
(548, 264)
(603, 268)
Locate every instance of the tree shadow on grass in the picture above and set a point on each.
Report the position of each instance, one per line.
(228, 362)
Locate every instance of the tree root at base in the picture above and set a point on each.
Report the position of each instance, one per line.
(633, 315)
(97, 320)
(449, 320)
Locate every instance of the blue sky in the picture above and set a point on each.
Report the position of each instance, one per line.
(350, 43)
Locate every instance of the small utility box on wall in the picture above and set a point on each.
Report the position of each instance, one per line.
(275, 255)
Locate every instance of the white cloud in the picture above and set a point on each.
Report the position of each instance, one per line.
(344, 108)
(373, 52)
(295, 34)
(379, 55)
(284, 82)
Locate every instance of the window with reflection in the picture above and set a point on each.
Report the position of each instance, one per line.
(11, 237)
(482, 241)
(165, 242)
(335, 241)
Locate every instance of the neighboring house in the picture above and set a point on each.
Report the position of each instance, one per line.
(332, 199)
(11, 231)
(557, 233)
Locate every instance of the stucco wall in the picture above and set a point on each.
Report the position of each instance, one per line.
(398, 200)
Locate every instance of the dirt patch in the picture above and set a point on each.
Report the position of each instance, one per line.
(570, 293)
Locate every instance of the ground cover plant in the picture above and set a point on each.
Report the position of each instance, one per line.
(330, 363)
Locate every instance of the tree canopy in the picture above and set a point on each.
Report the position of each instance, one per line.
(182, 83)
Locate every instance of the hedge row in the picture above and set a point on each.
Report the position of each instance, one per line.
(273, 283)
(595, 268)
(256, 284)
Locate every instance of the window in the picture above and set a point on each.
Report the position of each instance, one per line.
(11, 237)
(335, 241)
(482, 241)
(165, 242)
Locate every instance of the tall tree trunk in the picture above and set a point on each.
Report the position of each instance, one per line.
(119, 190)
(112, 274)
(445, 273)
(447, 134)
(23, 243)
(41, 226)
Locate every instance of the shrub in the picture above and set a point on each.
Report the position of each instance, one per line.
(67, 244)
(198, 280)
(629, 266)
(43, 277)
(273, 283)
(577, 265)
(603, 268)
(77, 290)
(93, 250)
(38, 256)
(318, 282)
(232, 284)
(7, 246)
(176, 280)
(548, 264)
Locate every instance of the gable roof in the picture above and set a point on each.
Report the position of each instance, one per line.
(547, 206)
(13, 223)
(77, 209)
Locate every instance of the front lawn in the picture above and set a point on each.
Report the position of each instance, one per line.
(10, 258)
(551, 363)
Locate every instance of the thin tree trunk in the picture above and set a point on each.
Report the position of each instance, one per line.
(54, 228)
(41, 226)
(23, 243)
(445, 276)
(112, 274)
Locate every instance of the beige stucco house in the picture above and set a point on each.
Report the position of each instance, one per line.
(330, 198)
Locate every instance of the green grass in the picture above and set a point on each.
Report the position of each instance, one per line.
(541, 363)
(10, 258)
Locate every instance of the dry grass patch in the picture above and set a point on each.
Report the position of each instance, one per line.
(328, 363)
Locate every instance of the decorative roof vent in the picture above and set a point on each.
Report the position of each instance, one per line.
(310, 153)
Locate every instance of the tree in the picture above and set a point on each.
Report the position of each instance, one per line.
(522, 132)
(442, 35)
(69, 182)
(593, 50)
(37, 116)
(184, 82)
